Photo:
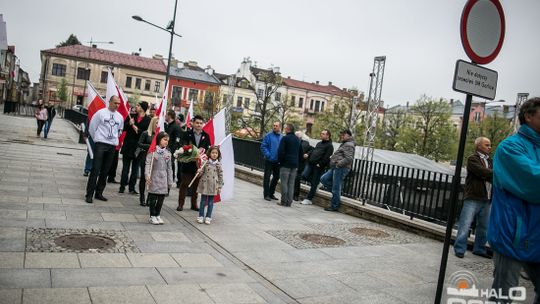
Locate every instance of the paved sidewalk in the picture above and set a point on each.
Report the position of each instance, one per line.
(254, 251)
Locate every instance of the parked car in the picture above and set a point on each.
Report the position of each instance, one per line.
(80, 108)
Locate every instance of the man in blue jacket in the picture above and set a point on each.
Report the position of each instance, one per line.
(514, 233)
(269, 149)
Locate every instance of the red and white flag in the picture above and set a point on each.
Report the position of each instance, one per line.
(161, 112)
(189, 115)
(114, 90)
(215, 127)
(93, 100)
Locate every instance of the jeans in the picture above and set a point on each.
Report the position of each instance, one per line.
(88, 162)
(312, 173)
(506, 275)
(472, 209)
(269, 187)
(47, 128)
(103, 155)
(128, 162)
(209, 200)
(333, 179)
(156, 202)
(288, 176)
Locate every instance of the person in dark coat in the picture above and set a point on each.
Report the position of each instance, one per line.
(134, 128)
(306, 151)
(289, 153)
(318, 161)
(200, 139)
(143, 145)
(175, 136)
(51, 113)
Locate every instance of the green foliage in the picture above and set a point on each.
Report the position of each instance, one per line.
(389, 131)
(61, 90)
(496, 128)
(338, 120)
(72, 40)
(430, 132)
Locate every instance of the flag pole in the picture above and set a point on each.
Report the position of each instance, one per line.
(197, 174)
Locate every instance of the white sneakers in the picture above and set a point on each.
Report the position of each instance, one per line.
(156, 220)
(201, 220)
(306, 202)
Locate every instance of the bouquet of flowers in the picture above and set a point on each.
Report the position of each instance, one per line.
(186, 154)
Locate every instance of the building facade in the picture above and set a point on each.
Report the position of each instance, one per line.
(141, 78)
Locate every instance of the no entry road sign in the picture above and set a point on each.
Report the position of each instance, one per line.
(475, 80)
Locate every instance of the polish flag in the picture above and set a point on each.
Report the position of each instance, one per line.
(94, 101)
(114, 90)
(215, 128)
(161, 112)
(189, 115)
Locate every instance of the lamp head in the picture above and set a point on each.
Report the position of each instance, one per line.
(138, 18)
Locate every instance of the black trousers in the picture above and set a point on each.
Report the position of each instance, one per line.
(142, 181)
(40, 124)
(269, 186)
(156, 202)
(103, 156)
(114, 166)
(297, 180)
(127, 163)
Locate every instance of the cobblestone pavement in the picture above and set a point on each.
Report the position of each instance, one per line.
(253, 252)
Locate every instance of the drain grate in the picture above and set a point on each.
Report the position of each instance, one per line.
(84, 242)
(320, 239)
(375, 233)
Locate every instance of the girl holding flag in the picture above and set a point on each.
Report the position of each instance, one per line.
(159, 177)
(210, 183)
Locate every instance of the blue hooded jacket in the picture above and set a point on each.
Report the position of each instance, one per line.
(270, 145)
(514, 228)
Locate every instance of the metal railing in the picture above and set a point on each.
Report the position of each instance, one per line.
(414, 192)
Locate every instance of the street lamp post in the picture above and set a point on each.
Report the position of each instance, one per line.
(169, 29)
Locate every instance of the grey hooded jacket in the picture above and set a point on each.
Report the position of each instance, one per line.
(344, 155)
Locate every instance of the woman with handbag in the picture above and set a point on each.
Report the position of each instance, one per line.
(142, 148)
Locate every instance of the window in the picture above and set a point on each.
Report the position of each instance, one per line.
(128, 82)
(225, 98)
(83, 73)
(311, 104)
(317, 105)
(59, 69)
(260, 93)
(157, 86)
(147, 85)
(193, 94)
(301, 102)
(246, 102)
(104, 75)
(293, 101)
(209, 98)
(239, 102)
(138, 83)
(477, 116)
(322, 106)
(277, 96)
(176, 95)
(52, 95)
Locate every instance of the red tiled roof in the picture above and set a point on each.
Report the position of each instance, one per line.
(112, 57)
(327, 89)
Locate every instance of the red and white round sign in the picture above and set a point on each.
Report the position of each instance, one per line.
(482, 30)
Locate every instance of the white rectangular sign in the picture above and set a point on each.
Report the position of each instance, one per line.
(475, 80)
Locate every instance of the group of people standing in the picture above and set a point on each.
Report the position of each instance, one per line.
(290, 158)
(503, 197)
(44, 116)
(155, 171)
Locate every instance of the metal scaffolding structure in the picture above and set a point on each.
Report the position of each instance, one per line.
(374, 104)
(521, 98)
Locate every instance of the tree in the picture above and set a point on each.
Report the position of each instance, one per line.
(390, 130)
(338, 119)
(430, 132)
(496, 128)
(72, 40)
(61, 90)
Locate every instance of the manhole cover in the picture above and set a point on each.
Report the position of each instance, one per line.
(84, 242)
(321, 239)
(369, 232)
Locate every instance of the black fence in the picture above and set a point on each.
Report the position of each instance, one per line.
(416, 193)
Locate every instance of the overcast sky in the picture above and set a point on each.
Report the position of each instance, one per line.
(309, 40)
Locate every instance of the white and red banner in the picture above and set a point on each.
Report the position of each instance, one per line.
(189, 115)
(161, 112)
(114, 90)
(94, 101)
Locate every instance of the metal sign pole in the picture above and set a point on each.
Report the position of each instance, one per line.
(456, 182)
